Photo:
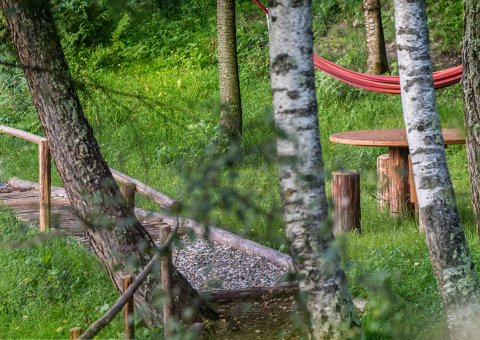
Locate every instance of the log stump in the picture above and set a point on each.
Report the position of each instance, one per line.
(382, 181)
(346, 201)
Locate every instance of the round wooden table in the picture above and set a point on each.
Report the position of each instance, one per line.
(401, 187)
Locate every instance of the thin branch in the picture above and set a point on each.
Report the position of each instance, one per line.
(102, 322)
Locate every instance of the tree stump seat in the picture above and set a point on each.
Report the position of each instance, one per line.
(346, 201)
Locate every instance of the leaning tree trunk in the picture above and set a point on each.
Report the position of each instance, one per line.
(471, 97)
(116, 235)
(231, 106)
(377, 55)
(305, 210)
(449, 254)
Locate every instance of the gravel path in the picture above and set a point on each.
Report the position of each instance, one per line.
(210, 265)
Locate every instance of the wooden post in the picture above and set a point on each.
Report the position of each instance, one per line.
(166, 280)
(75, 333)
(382, 181)
(398, 184)
(128, 191)
(44, 174)
(128, 316)
(346, 201)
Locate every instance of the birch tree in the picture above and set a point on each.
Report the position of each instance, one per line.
(452, 264)
(305, 211)
(116, 236)
(471, 98)
(231, 111)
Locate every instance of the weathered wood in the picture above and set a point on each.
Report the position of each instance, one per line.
(21, 134)
(163, 200)
(166, 281)
(128, 313)
(128, 191)
(75, 333)
(399, 188)
(44, 175)
(389, 137)
(27, 185)
(382, 181)
(346, 201)
(224, 295)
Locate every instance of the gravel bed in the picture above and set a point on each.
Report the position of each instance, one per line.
(210, 265)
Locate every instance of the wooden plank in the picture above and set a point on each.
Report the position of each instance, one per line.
(163, 200)
(21, 134)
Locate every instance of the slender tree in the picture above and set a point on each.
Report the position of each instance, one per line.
(449, 253)
(305, 210)
(377, 55)
(231, 105)
(471, 97)
(117, 237)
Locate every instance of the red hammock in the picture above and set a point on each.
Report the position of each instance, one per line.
(377, 83)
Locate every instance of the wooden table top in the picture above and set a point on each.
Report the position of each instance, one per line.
(389, 137)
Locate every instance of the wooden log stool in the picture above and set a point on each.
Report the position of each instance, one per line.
(346, 201)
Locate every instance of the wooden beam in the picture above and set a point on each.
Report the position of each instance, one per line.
(75, 333)
(128, 192)
(166, 280)
(44, 175)
(163, 200)
(21, 134)
(128, 313)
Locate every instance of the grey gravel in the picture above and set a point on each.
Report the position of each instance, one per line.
(210, 265)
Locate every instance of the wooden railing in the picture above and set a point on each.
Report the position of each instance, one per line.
(44, 172)
(128, 185)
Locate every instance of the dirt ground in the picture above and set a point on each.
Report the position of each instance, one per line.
(262, 318)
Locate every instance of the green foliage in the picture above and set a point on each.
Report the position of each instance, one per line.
(147, 77)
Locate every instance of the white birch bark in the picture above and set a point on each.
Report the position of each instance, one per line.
(309, 232)
(449, 254)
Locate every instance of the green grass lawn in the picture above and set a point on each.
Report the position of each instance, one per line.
(151, 94)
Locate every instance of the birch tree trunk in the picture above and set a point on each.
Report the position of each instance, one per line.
(471, 97)
(116, 235)
(449, 253)
(231, 112)
(305, 211)
(377, 55)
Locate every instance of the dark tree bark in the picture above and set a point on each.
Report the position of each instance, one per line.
(377, 55)
(231, 111)
(301, 174)
(471, 97)
(452, 263)
(116, 235)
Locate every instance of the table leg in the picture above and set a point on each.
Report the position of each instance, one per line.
(399, 186)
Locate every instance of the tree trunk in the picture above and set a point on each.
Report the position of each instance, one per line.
(305, 210)
(116, 235)
(449, 254)
(377, 55)
(471, 97)
(231, 106)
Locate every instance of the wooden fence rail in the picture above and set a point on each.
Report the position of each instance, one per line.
(128, 185)
(44, 172)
